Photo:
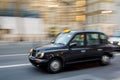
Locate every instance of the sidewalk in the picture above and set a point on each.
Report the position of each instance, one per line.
(25, 42)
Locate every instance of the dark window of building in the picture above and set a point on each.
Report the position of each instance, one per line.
(12, 5)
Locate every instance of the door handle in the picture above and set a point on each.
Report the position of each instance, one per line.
(99, 49)
(83, 51)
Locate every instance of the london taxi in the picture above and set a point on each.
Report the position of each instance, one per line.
(70, 47)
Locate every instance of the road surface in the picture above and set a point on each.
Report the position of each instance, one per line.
(14, 65)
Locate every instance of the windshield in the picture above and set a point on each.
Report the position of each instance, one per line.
(62, 38)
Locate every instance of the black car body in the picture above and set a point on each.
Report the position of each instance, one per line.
(70, 47)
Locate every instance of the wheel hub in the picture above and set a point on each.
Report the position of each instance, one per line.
(55, 65)
(105, 59)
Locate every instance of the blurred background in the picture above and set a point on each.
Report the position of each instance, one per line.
(36, 20)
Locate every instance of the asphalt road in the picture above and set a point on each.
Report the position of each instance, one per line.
(14, 65)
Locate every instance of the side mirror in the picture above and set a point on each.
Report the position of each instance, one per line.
(73, 44)
(52, 41)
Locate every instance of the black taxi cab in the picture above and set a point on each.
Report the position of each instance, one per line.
(70, 47)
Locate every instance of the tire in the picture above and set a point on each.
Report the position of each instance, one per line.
(54, 66)
(105, 60)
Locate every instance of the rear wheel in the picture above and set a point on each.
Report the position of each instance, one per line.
(105, 60)
(54, 66)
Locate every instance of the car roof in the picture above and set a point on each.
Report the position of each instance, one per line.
(85, 31)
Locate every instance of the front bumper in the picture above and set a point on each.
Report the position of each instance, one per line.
(38, 62)
(116, 47)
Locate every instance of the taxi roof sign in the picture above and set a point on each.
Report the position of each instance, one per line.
(66, 31)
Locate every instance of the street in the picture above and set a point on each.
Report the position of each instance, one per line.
(14, 65)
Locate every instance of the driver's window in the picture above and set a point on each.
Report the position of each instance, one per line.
(78, 39)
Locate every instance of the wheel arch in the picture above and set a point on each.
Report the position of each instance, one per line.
(59, 58)
(108, 54)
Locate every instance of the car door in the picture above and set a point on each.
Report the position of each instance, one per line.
(76, 51)
(93, 46)
(103, 42)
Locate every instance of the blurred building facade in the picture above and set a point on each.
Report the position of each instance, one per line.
(18, 22)
(52, 16)
(117, 11)
(61, 13)
(101, 15)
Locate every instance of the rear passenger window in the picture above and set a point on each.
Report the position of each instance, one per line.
(103, 39)
(92, 39)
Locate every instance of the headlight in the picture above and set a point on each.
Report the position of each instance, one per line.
(118, 43)
(111, 42)
(41, 55)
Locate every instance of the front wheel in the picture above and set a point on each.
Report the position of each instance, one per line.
(105, 60)
(54, 66)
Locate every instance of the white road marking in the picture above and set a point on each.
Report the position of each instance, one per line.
(17, 65)
(13, 55)
(117, 54)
